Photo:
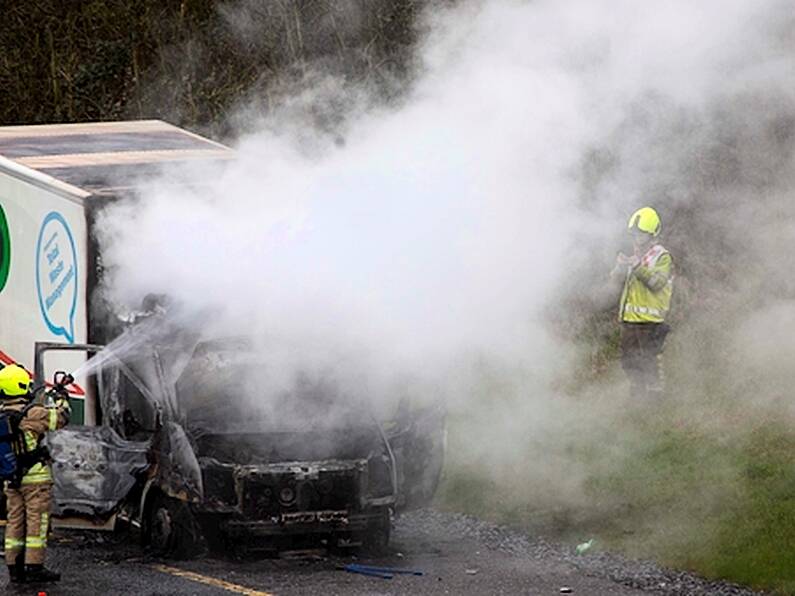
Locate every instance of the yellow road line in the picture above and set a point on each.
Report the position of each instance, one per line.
(211, 581)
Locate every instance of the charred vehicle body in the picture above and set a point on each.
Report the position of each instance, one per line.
(192, 453)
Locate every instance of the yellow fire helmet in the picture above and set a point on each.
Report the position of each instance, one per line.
(646, 220)
(14, 381)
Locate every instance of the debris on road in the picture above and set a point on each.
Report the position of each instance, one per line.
(383, 572)
(584, 547)
(471, 571)
(565, 590)
(362, 571)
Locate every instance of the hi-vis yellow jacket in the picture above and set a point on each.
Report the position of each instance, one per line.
(38, 420)
(648, 288)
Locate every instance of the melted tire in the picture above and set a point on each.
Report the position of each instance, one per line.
(172, 530)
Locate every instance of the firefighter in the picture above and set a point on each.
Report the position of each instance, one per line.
(28, 500)
(645, 301)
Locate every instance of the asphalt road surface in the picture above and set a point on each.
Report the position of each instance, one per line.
(456, 554)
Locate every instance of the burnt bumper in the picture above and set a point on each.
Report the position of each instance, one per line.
(286, 491)
(305, 522)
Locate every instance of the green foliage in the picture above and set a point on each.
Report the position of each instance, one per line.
(188, 61)
(690, 487)
(725, 508)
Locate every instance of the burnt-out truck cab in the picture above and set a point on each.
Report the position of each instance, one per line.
(204, 453)
(301, 462)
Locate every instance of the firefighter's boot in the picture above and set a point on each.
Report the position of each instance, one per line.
(16, 574)
(35, 574)
(16, 571)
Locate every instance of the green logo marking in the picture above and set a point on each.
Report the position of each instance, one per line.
(5, 249)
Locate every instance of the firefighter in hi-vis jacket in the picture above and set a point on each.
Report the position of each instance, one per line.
(645, 301)
(28, 500)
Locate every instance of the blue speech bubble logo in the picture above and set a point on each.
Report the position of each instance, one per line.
(56, 275)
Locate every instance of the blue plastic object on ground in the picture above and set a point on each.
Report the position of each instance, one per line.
(384, 572)
(368, 572)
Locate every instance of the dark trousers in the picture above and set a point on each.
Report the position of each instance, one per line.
(641, 357)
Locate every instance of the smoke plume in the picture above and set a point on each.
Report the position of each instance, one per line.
(458, 239)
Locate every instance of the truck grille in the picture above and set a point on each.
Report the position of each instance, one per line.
(271, 494)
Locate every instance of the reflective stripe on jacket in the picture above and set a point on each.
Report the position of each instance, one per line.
(648, 288)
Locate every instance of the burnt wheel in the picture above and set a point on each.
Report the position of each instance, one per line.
(171, 530)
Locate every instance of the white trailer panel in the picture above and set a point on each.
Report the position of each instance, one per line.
(43, 293)
(46, 270)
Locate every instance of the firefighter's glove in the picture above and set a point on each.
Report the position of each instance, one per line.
(625, 261)
(64, 408)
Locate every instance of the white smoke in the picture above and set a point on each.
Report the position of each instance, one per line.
(440, 230)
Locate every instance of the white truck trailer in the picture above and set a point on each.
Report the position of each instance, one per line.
(53, 178)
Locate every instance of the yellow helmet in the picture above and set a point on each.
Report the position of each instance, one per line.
(646, 220)
(14, 381)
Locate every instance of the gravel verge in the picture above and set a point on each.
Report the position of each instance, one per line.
(638, 574)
